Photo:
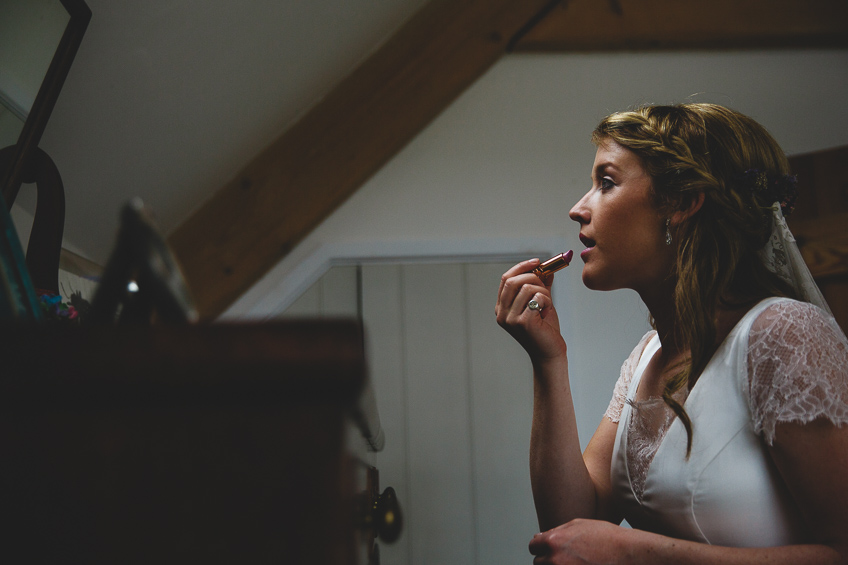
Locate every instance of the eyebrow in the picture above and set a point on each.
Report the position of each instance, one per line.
(604, 166)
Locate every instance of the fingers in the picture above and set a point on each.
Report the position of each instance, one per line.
(521, 297)
(537, 545)
(523, 267)
(518, 287)
(541, 549)
(539, 303)
(525, 310)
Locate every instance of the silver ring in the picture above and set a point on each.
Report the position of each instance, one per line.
(534, 305)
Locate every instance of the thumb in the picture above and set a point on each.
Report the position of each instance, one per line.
(538, 545)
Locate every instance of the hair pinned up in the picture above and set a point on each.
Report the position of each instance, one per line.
(771, 188)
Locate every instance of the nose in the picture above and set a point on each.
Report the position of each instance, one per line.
(580, 212)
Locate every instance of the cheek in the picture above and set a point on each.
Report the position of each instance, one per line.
(637, 223)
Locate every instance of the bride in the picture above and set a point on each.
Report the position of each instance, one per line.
(725, 440)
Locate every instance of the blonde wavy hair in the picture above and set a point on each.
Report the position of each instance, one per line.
(693, 149)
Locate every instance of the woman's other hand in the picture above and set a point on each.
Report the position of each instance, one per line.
(584, 542)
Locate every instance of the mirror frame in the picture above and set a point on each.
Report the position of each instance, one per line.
(15, 167)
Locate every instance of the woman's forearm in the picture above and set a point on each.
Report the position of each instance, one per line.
(562, 487)
(663, 550)
(595, 541)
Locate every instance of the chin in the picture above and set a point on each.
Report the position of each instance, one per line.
(593, 281)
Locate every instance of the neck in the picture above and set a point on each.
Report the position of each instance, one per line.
(660, 303)
(661, 306)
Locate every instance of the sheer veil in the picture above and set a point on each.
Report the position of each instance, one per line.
(782, 256)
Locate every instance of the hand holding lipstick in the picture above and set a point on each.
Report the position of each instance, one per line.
(525, 308)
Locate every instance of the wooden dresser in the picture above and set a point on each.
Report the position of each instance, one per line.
(220, 443)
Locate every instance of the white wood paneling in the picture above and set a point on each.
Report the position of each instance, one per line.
(382, 291)
(339, 295)
(501, 411)
(441, 506)
(334, 294)
(454, 393)
(307, 304)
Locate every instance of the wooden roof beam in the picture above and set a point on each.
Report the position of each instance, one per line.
(254, 220)
(615, 25)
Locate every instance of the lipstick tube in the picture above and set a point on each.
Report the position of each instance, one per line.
(554, 264)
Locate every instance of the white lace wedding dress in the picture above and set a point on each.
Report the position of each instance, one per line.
(785, 361)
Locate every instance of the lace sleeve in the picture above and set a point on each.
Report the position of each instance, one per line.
(797, 367)
(622, 385)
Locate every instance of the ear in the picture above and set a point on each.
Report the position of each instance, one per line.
(687, 208)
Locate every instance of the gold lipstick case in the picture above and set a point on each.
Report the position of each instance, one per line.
(554, 264)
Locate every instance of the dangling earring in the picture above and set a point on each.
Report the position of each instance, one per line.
(667, 231)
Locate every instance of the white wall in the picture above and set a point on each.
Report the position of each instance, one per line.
(498, 171)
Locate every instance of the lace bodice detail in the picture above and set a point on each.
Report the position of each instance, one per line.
(649, 422)
(628, 368)
(797, 359)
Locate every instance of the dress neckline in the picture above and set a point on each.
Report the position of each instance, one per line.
(631, 402)
(756, 308)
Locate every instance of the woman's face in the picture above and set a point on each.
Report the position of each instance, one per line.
(620, 225)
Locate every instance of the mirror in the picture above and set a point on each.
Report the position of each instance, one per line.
(29, 35)
(38, 41)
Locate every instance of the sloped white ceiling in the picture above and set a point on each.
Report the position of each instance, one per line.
(168, 98)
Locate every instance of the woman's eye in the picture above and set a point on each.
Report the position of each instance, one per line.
(606, 184)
